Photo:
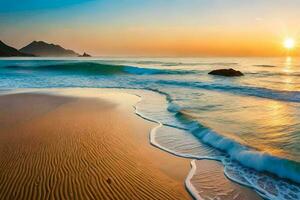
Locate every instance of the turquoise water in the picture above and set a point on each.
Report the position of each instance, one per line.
(250, 123)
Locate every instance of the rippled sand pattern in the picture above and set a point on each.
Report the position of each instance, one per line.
(70, 148)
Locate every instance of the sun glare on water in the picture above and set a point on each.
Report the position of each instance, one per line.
(289, 43)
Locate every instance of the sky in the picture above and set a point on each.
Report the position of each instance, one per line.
(154, 27)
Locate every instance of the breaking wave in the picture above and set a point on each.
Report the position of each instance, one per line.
(95, 69)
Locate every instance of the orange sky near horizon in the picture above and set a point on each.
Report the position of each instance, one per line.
(156, 28)
(180, 42)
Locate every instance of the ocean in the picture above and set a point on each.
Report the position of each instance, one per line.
(251, 124)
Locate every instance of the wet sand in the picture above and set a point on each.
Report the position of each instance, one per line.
(72, 145)
(55, 147)
(210, 181)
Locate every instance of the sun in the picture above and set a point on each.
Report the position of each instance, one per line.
(289, 43)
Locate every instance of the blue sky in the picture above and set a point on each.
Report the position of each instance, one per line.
(131, 26)
(31, 5)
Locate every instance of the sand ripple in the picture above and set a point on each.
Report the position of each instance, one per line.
(75, 149)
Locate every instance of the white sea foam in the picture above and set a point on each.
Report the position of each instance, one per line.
(190, 91)
(249, 170)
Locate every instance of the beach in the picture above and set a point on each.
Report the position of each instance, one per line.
(150, 100)
(58, 147)
(90, 144)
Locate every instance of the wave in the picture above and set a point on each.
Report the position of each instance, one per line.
(197, 64)
(96, 69)
(245, 155)
(289, 96)
(183, 63)
(271, 177)
(268, 73)
(249, 157)
(258, 170)
(268, 66)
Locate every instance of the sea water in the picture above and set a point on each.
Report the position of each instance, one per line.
(251, 123)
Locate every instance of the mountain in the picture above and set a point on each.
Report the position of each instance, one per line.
(40, 48)
(7, 51)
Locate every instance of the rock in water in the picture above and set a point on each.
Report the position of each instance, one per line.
(226, 72)
(85, 55)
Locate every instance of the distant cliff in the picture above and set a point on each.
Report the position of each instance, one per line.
(40, 48)
(7, 51)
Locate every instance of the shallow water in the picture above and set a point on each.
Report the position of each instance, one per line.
(250, 123)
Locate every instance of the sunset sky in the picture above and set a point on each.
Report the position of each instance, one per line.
(154, 27)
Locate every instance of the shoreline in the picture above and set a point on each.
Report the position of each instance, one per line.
(165, 160)
(241, 191)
